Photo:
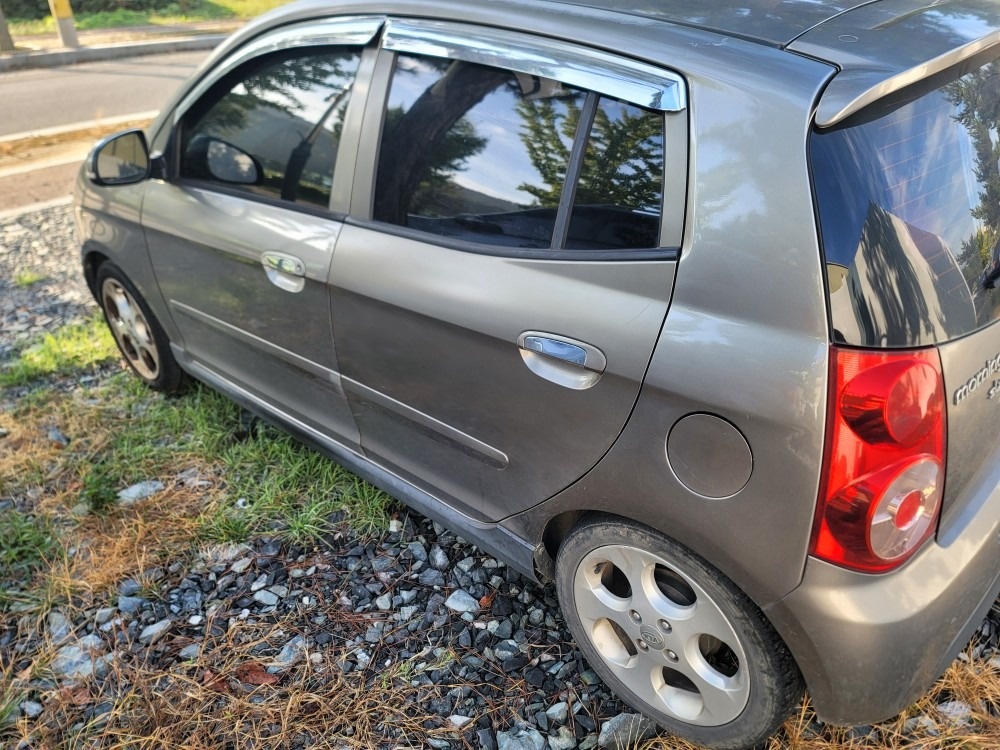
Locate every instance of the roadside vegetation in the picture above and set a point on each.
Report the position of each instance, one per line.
(69, 444)
(82, 346)
(76, 430)
(27, 277)
(30, 19)
(74, 450)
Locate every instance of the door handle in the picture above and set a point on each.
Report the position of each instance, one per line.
(566, 362)
(284, 271)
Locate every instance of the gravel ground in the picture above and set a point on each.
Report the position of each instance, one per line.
(44, 244)
(419, 595)
(360, 607)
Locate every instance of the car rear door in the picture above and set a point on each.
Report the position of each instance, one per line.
(243, 263)
(508, 263)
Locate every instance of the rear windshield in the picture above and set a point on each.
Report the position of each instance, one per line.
(909, 209)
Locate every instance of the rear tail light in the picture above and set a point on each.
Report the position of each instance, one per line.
(885, 453)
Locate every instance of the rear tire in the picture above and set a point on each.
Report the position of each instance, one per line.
(672, 636)
(138, 334)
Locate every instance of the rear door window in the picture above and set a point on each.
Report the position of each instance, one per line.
(462, 152)
(620, 193)
(490, 156)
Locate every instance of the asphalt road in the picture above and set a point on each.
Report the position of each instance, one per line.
(49, 97)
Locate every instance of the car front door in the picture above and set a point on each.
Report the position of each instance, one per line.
(508, 263)
(242, 230)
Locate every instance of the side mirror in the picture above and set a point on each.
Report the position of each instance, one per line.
(121, 159)
(222, 161)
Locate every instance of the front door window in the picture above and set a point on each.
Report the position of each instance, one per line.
(272, 128)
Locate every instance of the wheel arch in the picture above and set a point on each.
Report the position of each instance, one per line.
(558, 527)
(93, 259)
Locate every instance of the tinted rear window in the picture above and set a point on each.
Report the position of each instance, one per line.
(909, 208)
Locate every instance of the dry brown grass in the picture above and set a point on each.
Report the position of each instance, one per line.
(225, 697)
(117, 542)
(974, 682)
(127, 541)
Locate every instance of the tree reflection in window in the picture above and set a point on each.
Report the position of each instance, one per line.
(481, 154)
(976, 98)
(287, 112)
(451, 159)
(620, 192)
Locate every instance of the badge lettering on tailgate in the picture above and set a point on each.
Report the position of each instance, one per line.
(980, 379)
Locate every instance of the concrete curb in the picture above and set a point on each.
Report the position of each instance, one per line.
(31, 208)
(99, 52)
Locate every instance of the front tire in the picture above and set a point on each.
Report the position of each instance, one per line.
(138, 334)
(672, 636)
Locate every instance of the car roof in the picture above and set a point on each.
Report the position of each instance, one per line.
(877, 47)
(772, 22)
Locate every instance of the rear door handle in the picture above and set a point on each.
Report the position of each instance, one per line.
(566, 362)
(284, 271)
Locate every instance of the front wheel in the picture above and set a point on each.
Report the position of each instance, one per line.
(672, 636)
(140, 338)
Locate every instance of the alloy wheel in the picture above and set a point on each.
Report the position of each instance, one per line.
(130, 329)
(662, 635)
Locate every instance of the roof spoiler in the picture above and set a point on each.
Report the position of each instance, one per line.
(854, 89)
(882, 47)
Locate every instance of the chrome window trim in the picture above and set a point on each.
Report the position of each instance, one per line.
(347, 31)
(675, 179)
(629, 80)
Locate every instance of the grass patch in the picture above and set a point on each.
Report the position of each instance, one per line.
(277, 485)
(28, 543)
(99, 489)
(29, 550)
(26, 278)
(257, 479)
(174, 13)
(222, 482)
(75, 347)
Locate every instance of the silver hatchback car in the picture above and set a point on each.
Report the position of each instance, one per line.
(689, 307)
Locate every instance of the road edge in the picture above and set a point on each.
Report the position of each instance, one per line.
(13, 213)
(98, 53)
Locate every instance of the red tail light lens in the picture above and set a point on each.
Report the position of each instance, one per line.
(884, 476)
